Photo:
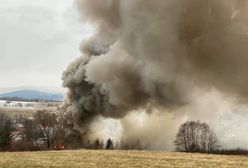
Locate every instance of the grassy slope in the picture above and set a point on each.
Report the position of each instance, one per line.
(127, 159)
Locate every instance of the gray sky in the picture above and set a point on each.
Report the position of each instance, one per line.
(38, 39)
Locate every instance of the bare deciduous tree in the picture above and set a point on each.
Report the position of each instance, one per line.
(56, 131)
(47, 122)
(196, 137)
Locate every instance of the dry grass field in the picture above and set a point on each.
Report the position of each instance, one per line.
(13, 112)
(114, 159)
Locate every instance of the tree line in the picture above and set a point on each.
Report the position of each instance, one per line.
(50, 131)
(44, 131)
(47, 130)
(20, 99)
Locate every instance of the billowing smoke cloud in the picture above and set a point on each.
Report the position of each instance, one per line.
(156, 54)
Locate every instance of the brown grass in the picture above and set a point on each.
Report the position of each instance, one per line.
(124, 159)
(12, 112)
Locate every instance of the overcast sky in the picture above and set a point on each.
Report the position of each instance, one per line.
(38, 39)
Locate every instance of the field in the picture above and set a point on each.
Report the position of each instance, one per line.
(112, 159)
(27, 109)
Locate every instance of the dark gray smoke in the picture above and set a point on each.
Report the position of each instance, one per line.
(155, 54)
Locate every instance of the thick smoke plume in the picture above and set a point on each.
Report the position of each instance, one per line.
(156, 54)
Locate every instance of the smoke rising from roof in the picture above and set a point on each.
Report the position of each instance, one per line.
(148, 55)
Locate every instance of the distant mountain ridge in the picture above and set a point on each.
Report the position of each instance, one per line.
(33, 94)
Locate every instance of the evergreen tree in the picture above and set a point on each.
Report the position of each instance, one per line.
(109, 145)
